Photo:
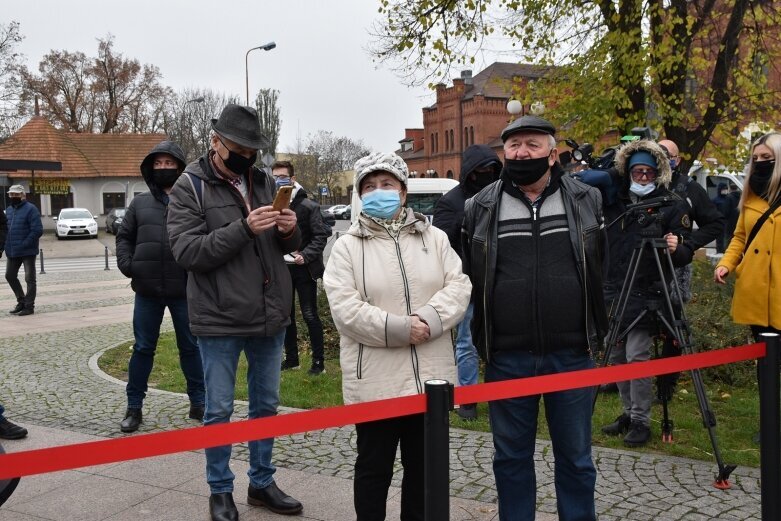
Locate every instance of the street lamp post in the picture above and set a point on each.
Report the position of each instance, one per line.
(265, 47)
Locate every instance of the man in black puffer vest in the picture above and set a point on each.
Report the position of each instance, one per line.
(306, 266)
(144, 255)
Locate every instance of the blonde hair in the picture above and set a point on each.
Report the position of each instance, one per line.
(772, 140)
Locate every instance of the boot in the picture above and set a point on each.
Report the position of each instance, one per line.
(196, 412)
(467, 412)
(17, 309)
(620, 426)
(638, 435)
(28, 310)
(133, 418)
(318, 368)
(11, 431)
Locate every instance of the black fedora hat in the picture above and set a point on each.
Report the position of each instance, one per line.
(240, 124)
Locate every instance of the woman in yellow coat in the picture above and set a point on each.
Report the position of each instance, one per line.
(757, 299)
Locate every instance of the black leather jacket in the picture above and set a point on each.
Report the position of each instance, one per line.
(589, 244)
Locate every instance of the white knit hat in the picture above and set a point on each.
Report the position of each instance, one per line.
(16, 189)
(380, 162)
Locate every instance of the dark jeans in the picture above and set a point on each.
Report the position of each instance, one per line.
(377, 442)
(307, 300)
(514, 426)
(147, 317)
(12, 276)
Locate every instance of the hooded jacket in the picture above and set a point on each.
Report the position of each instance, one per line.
(314, 232)
(374, 284)
(583, 206)
(626, 227)
(24, 230)
(757, 299)
(238, 284)
(143, 250)
(449, 211)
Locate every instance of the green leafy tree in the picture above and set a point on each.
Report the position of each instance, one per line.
(696, 70)
(267, 105)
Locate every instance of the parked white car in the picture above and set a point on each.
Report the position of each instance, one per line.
(75, 222)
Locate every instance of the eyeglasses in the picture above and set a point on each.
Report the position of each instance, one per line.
(281, 176)
(639, 173)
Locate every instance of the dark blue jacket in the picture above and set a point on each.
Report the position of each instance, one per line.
(24, 230)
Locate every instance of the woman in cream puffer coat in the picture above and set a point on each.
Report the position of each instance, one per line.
(396, 289)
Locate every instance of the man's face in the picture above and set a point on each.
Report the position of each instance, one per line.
(162, 161)
(15, 197)
(530, 145)
(672, 151)
(281, 174)
(643, 174)
(223, 146)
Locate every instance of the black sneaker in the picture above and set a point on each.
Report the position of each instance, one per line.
(25, 312)
(17, 309)
(289, 364)
(133, 419)
(11, 431)
(318, 368)
(620, 426)
(638, 435)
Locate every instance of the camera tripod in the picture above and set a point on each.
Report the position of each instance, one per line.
(665, 311)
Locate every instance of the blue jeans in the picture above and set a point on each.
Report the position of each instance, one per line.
(220, 356)
(147, 317)
(466, 353)
(514, 424)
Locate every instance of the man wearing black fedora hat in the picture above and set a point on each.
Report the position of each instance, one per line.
(226, 234)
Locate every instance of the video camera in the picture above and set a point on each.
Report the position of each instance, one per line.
(647, 214)
(585, 152)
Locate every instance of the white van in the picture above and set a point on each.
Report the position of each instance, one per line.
(422, 195)
(710, 180)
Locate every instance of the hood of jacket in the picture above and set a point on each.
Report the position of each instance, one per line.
(477, 156)
(164, 147)
(664, 172)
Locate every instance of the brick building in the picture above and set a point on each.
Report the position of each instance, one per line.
(473, 110)
(99, 171)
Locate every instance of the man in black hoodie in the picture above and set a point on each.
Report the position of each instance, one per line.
(306, 266)
(144, 255)
(480, 166)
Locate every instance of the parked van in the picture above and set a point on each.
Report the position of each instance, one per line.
(422, 195)
(710, 181)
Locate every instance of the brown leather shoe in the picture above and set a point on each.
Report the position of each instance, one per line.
(274, 499)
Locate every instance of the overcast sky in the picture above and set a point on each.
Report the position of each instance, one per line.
(325, 77)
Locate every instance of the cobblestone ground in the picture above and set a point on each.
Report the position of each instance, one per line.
(46, 379)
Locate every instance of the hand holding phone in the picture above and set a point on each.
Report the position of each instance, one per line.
(282, 199)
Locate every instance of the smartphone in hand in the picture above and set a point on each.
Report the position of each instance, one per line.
(282, 199)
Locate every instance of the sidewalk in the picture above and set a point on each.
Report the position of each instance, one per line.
(49, 383)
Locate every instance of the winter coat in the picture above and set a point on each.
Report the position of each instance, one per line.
(583, 206)
(238, 284)
(757, 297)
(625, 229)
(143, 249)
(24, 230)
(710, 221)
(314, 232)
(374, 284)
(449, 211)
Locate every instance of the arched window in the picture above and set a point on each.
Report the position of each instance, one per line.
(472, 135)
(450, 174)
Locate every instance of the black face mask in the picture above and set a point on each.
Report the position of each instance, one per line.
(16, 201)
(165, 177)
(525, 172)
(237, 163)
(760, 177)
(476, 182)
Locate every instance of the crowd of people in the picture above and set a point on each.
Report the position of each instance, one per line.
(522, 263)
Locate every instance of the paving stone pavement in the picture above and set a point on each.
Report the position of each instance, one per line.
(46, 379)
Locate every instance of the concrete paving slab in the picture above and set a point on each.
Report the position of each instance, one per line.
(163, 471)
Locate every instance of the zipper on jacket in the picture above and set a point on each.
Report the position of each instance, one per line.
(584, 277)
(538, 335)
(486, 297)
(413, 351)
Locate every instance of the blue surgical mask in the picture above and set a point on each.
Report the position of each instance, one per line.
(642, 190)
(382, 204)
(672, 164)
(283, 181)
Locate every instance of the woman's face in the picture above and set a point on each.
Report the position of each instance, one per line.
(383, 181)
(762, 153)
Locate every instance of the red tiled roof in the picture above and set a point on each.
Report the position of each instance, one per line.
(81, 155)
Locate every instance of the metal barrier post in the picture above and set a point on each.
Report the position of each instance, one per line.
(439, 401)
(106, 256)
(770, 428)
(41, 254)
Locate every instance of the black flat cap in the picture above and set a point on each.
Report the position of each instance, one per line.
(240, 124)
(529, 123)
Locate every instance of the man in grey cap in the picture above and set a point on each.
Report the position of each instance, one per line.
(226, 234)
(533, 244)
(21, 248)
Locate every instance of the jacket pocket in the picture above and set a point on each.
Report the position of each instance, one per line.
(359, 363)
